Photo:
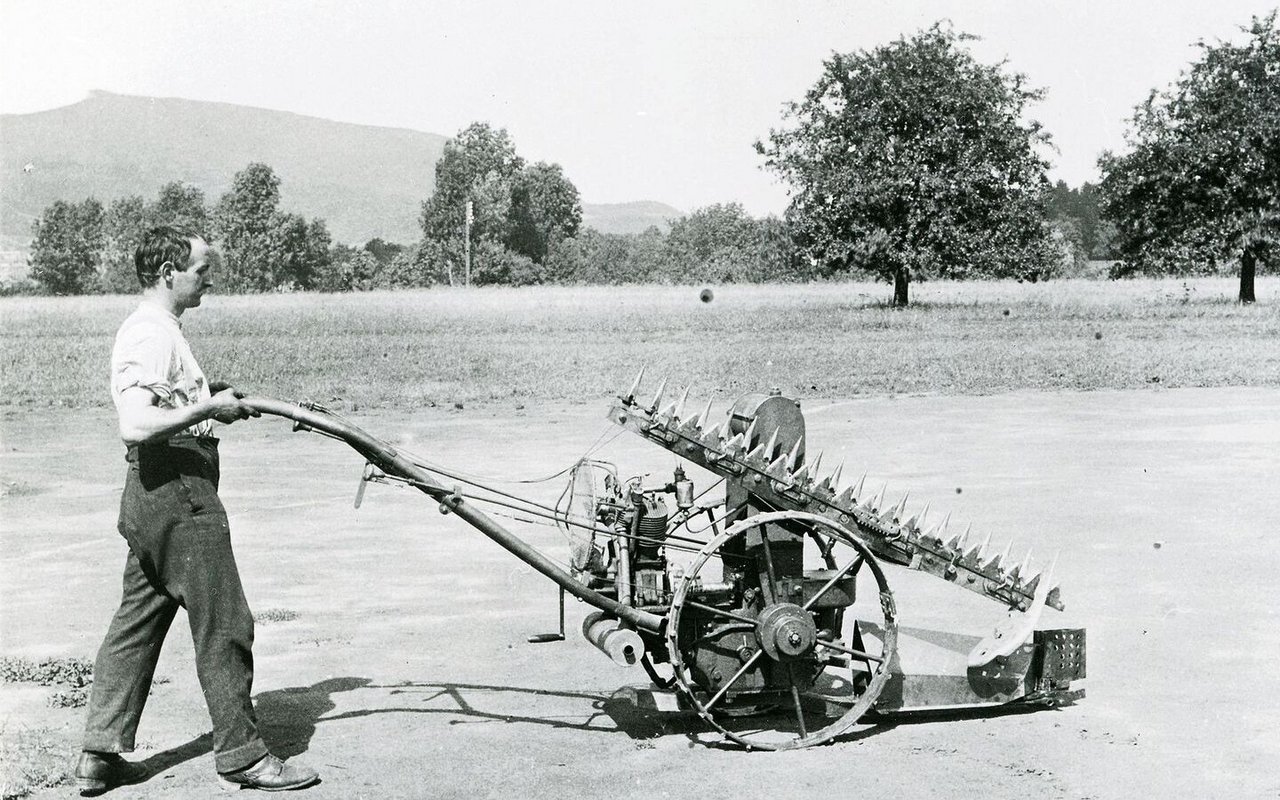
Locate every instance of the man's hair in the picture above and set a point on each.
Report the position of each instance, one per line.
(160, 244)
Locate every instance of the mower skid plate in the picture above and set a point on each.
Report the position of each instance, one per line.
(931, 673)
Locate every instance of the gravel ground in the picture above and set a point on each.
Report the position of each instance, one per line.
(391, 649)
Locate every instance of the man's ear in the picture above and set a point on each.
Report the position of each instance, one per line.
(166, 271)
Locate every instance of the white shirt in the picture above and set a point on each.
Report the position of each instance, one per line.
(152, 353)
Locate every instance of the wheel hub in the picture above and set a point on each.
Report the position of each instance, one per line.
(786, 632)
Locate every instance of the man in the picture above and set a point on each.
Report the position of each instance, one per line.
(179, 540)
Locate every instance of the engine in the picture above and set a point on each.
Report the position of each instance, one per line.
(792, 605)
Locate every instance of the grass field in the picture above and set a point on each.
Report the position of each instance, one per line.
(1073, 469)
(448, 346)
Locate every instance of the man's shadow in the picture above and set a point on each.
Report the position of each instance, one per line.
(286, 720)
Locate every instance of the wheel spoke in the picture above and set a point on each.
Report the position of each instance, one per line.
(795, 699)
(768, 564)
(825, 546)
(719, 612)
(850, 651)
(816, 698)
(742, 671)
(852, 566)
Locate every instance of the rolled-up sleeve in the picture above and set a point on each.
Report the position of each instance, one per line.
(143, 357)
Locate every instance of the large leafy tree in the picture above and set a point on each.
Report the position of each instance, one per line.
(915, 159)
(182, 206)
(244, 220)
(711, 243)
(545, 208)
(478, 165)
(1199, 187)
(299, 250)
(263, 247)
(127, 218)
(67, 249)
(520, 212)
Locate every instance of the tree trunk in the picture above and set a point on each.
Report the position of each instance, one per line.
(901, 278)
(1248, 266)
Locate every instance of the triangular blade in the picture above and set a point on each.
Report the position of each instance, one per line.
(635, 387)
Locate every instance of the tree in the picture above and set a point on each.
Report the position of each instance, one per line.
(708, 243)
(545, 208)
(123, 226)
(180, 206)
(722, 243)
(594, 258)
(478, 165)
(346, 269)
(384, 251)
(1082, 208)
(913, 158)
(127, 218)
(1200, 185)
(401, 267)
(265, 248)
(526, 211)
(245, 220)
(299, 250)
(494, 264)
(67, 249)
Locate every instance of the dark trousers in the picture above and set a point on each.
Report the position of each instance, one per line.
(179, 555)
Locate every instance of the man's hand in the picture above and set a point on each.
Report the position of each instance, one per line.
(228, 408)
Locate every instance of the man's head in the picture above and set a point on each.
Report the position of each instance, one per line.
(174, 262)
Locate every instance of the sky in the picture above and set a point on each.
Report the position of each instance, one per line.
(636, 100)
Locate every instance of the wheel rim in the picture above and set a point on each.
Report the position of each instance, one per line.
(820, 684)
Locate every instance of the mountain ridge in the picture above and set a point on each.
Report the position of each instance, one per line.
(365, 181)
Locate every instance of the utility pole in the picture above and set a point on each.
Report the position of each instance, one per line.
(466, 242)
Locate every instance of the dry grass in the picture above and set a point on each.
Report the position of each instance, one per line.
(74, 672)
(447, 346)
(275, 615)
(31, 759)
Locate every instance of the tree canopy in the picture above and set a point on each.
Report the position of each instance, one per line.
(1081, 208)
(519, 211)
(1199, 187)
(263, 248)
(545, 208)
(67, 249)
(914, 159)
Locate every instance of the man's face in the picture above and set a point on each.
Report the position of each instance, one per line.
(190, 284)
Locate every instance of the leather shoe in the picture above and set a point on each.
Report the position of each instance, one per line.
(269, 774)
(98, 772)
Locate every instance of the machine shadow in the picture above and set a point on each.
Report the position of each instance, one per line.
(621, 711)
(288, 717)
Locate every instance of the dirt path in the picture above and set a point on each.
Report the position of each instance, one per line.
(406, 673)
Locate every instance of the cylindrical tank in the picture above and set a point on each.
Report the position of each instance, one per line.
(608, 635)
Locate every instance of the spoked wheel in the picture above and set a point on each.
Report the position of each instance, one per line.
(771, 653)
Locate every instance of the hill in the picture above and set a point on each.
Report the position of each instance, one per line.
(363, 180)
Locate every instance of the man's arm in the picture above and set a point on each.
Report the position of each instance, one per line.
(142, 420)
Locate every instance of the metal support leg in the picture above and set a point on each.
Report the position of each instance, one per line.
(540, 638)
